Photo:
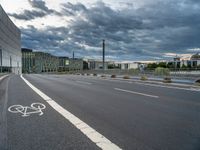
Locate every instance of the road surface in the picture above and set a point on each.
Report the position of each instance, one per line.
(129, 115)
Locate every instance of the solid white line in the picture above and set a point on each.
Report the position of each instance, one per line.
(83, 82)
(138, 93)
(101, 141)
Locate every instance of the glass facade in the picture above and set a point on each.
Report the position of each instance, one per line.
(10, 44)
(38, 62)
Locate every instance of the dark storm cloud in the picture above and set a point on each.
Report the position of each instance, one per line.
(39, 10)
(28, 15)
(146, 32)
(41, 5)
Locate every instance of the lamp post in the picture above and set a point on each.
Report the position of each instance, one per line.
(103, 54)
(1, 59)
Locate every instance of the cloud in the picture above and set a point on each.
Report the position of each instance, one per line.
(39, 10)
(131, 33)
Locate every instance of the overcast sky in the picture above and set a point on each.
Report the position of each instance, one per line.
(133, 29)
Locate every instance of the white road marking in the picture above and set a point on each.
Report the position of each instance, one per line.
(138, 93)
(100, 140)
(83, 82)
(169, 87)
(152, 84)
(26, 110)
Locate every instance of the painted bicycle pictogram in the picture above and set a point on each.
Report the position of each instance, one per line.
(26, 110)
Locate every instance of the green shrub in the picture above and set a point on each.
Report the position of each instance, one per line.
(88, 74)
(197, 82)
(167, 80)
(162, 71)
(103, 76)
(94, 74)
(134, 71)
(143, 77)
(126, 77)
(113, 76)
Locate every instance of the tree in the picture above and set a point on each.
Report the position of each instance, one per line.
(152, 66)
(170, 65)
(162, 64)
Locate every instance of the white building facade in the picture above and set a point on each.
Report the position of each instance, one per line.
(10, 45)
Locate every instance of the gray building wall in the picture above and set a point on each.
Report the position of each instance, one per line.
(10, 44)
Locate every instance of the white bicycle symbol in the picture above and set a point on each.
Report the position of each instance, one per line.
(26, 110)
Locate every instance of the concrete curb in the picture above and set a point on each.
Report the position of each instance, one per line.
(4, 76)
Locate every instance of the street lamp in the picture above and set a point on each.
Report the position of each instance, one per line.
(103, 54)
(1, 59)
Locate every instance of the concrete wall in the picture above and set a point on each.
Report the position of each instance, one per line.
(10, 43)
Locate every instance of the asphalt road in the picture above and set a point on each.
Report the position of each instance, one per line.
(132, 115)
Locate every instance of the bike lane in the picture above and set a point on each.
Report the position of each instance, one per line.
(33, 124)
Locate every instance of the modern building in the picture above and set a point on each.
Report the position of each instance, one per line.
(75, 64)
(10, 45)
(28, 62)
(190, 62)
(96, 64)
(45, 62)
(38, 62)
(63, 64)
(126, 65)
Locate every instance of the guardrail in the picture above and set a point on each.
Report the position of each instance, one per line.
(185, 74)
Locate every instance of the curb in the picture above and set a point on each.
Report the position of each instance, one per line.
(4, 76)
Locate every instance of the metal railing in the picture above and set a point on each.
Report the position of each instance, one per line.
(186, 74)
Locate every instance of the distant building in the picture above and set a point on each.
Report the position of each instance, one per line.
(75, 64)
(10, 45)
(194, 61)
(63, 64)
(38, 62)
(96, 65)
(28, 61)
(45, 62)
(189, 62)
(126, 65)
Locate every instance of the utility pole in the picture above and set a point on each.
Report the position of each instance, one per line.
(73, 55)
(1, 59)
(103, 54)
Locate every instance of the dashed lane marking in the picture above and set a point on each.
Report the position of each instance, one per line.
(100, 140)
(138, 93)
(83, 82)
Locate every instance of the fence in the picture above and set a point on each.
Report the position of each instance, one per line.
(187, 74)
